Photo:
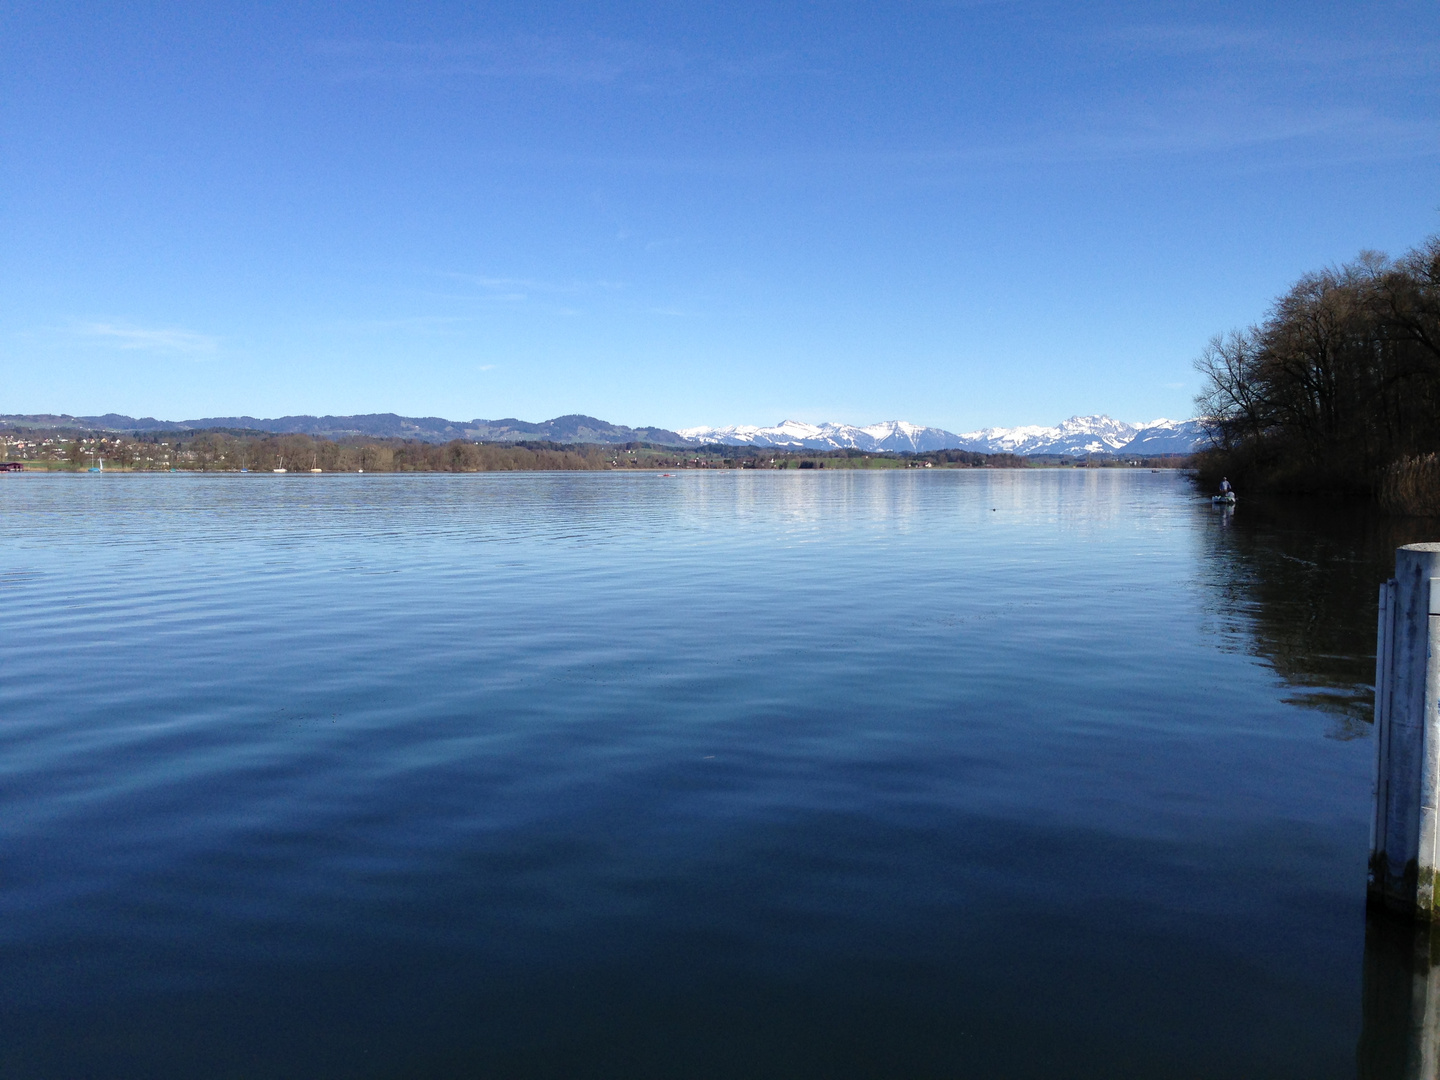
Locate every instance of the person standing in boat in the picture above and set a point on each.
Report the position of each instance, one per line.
(1225, 489)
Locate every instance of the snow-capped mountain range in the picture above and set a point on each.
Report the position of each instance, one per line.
(1078, 435)
(891, 435)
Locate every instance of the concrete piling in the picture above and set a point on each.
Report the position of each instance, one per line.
(1403, 855)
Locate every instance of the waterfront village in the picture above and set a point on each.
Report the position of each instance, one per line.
(241, 451)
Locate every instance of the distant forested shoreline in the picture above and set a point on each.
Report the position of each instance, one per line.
(1337, 389)
(234, 451)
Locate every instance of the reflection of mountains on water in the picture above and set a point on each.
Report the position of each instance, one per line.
(1299, 580)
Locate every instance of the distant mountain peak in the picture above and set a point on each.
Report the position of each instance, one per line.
(1090, 435)
(888, 435)
(574, 428)
(1074, 436)
(1077, 435)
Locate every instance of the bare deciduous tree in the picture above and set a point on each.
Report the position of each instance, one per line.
(1339, 381)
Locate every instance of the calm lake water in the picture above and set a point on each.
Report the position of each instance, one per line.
(834, 774)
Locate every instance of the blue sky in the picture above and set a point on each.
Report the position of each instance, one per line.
(958, 214)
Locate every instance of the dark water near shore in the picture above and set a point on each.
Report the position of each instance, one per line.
(1021, 774)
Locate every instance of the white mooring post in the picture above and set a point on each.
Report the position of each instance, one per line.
(1403, 856)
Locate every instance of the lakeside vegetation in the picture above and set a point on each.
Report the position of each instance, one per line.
(1337, 389)
(236, 450)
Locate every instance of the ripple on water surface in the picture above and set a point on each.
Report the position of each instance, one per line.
(727, 774)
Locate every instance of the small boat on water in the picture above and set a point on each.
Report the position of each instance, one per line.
(1227, 499)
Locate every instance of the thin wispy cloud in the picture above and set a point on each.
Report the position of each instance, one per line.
(519, 288)
(1284, 55)
(413, 323)
(491, 292)
(149, 339)
(1208, 129)
(1199, 121)
(1239, 139)
(1180, 39)
(575, 62)
(594, 61)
